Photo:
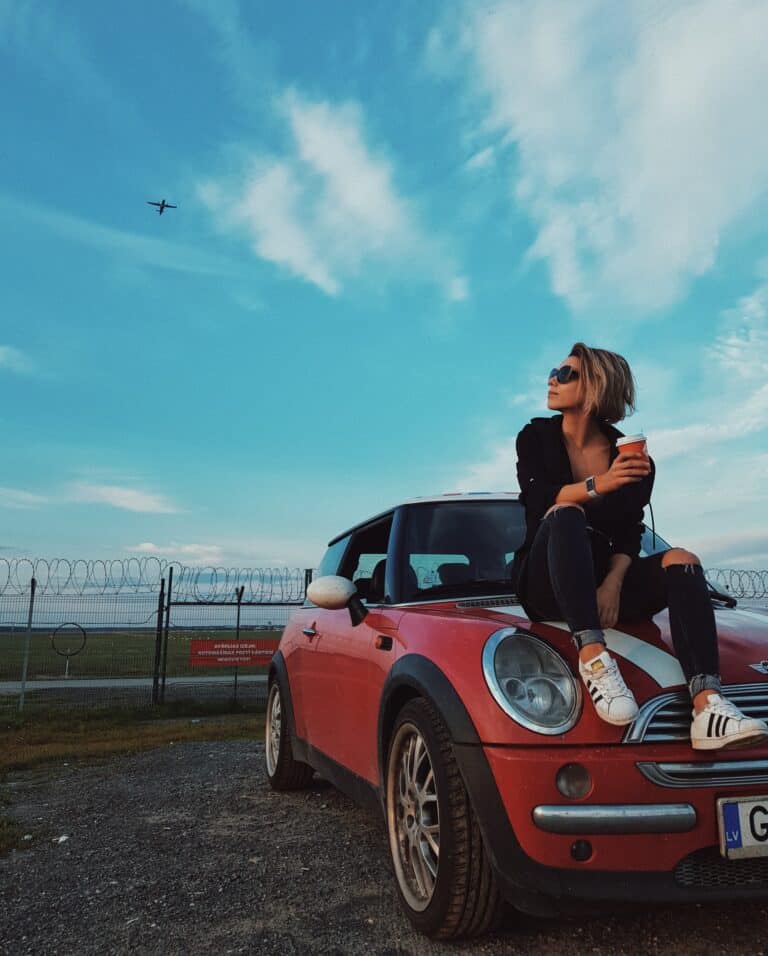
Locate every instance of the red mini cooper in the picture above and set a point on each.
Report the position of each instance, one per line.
(412, 680)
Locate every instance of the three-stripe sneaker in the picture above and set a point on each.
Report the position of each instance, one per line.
(614, 701)
(721, 724)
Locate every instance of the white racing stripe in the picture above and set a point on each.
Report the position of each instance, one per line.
(741, 612)
(662, 666)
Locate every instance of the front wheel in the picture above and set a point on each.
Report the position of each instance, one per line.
(283, 772)
(444, 878)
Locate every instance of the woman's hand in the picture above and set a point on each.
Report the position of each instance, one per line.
(625, 470)
(608, 597)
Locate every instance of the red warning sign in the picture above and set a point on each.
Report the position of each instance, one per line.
(230, 653)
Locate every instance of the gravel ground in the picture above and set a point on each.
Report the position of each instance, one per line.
(186, 850)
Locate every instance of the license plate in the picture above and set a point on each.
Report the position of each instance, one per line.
(743, 826)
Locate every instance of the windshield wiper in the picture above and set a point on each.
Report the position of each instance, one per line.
(718, 596)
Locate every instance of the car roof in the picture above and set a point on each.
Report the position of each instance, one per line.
(448, 496)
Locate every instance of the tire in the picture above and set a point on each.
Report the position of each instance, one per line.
(442, 870)
(283, 772)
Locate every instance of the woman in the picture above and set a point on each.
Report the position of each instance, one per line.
(580, 561)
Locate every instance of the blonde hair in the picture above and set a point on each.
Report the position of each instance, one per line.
(607, 382)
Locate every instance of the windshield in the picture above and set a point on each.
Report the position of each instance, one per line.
(459, 548)
(466, 548)
(651, 543)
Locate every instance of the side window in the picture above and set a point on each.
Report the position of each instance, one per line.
(365, 560)
(332, 557)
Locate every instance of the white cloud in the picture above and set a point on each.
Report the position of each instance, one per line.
(267, 552)
(639, 133)
(15, 498)
(329, 210)
(14, 360)
(245, 61)
(737, 549)
(497, 472)
(482, 159)
(49, 39)
(741, 348)
(193, 554)
(729, 422)
(144, 250)
(458, 289)
(739, 406)
(129, 499)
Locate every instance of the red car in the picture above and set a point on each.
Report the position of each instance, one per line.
(412, 680)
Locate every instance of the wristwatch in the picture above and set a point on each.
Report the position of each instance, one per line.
(591, 490)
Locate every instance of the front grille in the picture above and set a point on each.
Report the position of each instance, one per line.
(707, 868)
(720, 773)
(668, 717)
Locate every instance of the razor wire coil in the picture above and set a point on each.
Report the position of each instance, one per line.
(64, 576)
(740, 582)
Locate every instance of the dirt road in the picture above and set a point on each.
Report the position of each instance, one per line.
(186, 850)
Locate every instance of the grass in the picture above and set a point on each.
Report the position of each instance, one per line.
(34, 741)
(41, 738)
(117, 653)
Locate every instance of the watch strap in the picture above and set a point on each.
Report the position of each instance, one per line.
(591, 490)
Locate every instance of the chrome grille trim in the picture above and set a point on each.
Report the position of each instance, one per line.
(730, 773)
(667, 718)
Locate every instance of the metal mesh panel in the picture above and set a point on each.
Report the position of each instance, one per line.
(85, 650)
(707, 868)
(98, 633)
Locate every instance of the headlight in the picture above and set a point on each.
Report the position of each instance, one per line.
(531, 682)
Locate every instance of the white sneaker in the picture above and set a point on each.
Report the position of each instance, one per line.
(614, 701)
(721, 725)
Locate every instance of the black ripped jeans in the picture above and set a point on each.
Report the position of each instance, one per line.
(568, 560)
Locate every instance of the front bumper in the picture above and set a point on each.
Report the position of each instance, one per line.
(615, 818)
(644, 841)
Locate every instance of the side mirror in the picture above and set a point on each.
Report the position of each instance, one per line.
(333, 592)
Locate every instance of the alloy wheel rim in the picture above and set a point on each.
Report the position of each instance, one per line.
(413, 818)
(274, 728)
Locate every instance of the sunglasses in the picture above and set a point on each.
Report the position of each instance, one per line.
(564, 374)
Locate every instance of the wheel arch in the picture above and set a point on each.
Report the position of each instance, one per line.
(416, 676)
(279, 672)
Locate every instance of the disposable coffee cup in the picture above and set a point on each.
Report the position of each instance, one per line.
(631, 444)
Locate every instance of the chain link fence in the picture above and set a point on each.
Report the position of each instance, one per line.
(125, 634)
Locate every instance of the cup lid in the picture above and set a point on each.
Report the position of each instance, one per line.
(629, 439)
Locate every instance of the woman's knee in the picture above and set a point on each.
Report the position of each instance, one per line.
(557, 507)
(679, 556)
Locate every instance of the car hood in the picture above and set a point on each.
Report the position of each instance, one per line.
(647, 645)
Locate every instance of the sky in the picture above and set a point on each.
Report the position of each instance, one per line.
(392, 220)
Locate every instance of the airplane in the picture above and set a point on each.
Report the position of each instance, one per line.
(161, 206)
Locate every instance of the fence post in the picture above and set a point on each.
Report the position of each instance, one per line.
(307, 579)
(165, 634)
(239, 593)
(158, 642)
(27, 641)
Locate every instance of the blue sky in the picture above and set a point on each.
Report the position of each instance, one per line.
(393, 219)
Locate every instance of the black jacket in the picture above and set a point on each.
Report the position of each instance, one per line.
(543, 467)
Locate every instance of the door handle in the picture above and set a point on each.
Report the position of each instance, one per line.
(309, 631)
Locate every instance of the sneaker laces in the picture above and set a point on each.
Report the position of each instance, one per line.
(612, 679)
(723, 706)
